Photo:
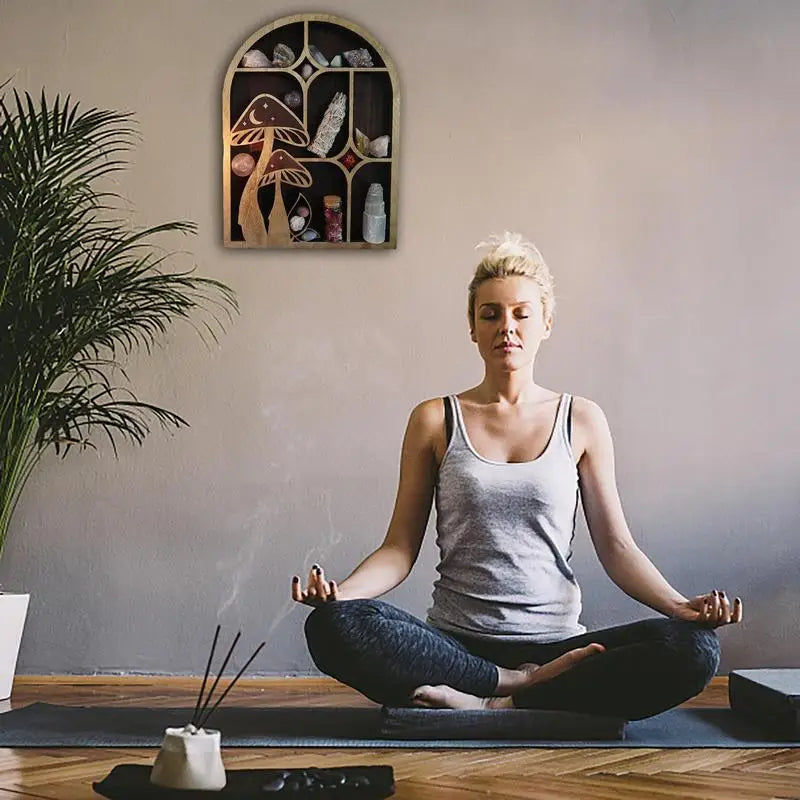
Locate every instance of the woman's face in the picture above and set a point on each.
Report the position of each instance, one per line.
(509, 322)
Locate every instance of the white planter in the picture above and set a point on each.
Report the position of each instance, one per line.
(13, 609)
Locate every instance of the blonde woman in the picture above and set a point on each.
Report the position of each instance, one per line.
(506, 462)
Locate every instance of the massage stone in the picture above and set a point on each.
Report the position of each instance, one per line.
(769, 697)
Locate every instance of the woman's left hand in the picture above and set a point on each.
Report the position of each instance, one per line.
(713, 609)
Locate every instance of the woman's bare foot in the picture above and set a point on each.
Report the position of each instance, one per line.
(447, 697)
(512, 680)
(509, 682)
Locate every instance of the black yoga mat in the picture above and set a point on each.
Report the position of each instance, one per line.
(46, 725)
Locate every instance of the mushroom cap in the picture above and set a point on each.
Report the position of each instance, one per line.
(290, 171)
(266, 111)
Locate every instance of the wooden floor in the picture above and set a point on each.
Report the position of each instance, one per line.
(596, 774)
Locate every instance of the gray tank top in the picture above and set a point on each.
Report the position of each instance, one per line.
(504, 532)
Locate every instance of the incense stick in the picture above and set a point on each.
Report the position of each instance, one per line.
(204, 720)
(221, 670)
(205, 677)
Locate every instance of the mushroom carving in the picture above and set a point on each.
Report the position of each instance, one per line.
(265, 119)
(282, 168)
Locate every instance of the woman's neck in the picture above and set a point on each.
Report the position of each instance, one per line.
(508, 388)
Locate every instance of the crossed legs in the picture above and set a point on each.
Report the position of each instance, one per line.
(387, 654)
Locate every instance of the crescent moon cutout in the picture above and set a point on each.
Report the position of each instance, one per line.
(254, 119)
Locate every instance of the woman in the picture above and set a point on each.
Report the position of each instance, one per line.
(506, 462)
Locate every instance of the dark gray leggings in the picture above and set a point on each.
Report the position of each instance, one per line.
(385, 653)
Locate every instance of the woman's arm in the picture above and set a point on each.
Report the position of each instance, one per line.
(621, 558)
(391, 563)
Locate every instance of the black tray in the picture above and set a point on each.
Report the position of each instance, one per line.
(132, 782)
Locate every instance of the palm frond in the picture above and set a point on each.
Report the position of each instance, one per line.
(80, 289)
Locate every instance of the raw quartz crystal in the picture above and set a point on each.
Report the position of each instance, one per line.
(358, 58)
(330, 125)
(283, 55)
(255, 58)
(374, 223)
(317, 55)
(379, 148)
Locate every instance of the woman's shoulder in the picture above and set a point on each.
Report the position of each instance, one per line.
(584, 406)
(426, 426)
(429, 413)
(589, 423)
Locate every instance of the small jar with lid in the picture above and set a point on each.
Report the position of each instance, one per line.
(332, 206)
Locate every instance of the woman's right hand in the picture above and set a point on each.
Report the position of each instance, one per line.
(318, 592)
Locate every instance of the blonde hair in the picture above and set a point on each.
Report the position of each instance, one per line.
(509, 256)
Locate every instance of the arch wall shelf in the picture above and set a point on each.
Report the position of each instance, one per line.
(274, 137)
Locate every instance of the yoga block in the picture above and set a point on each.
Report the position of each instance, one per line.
(518, 723)
(769, 697)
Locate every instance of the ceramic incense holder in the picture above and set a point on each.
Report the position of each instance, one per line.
(189, 759)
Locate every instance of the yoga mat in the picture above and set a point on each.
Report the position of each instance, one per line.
(46, 725)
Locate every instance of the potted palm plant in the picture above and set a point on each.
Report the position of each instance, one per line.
(80, 289)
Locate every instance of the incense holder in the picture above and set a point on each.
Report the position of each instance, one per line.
(189, 758)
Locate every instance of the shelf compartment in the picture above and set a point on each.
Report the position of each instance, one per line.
(371, 115)
(333, 39)
(321, 90)
(363, 175)
(293, 35)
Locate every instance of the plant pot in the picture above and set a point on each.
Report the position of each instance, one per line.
(13, 609)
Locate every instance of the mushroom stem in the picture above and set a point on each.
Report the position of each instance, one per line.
(279, 232)
(250, 217)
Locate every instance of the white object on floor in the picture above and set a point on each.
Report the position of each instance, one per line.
(13, 610)
(189, 759)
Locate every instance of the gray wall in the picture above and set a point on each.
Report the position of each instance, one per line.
(649, 147)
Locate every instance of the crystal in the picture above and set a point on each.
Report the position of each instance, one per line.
(336, 61)
(358, 58)
(255, 58)
(362, 142)
(317, 55)
(293, 99)
(379, 148)
(282, 56)
(242, 164)
(349, 160)
(374, 221)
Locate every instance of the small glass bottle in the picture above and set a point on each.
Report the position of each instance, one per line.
(332, 204)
